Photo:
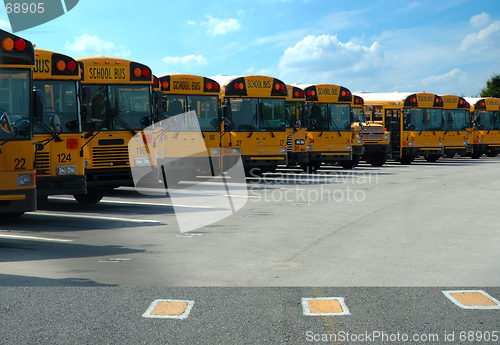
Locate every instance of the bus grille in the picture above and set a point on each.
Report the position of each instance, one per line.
(110, 156)
(42, 163)
(369, 133)
(289, 144)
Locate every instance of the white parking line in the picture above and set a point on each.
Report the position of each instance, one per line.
(33, 238)
(66, 215)
(135, 203)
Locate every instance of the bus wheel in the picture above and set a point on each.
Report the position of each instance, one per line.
(378, 160)
(351, 163)
(92, 197)
(406, 160)
(431, 158)
(476, 154)
(491, 154)
(311, 167)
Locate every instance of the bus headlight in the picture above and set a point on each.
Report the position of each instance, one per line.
(348, 147)
(142, 161)
(411, 143)
(85, 164)
(310, 147)
(464, 143)
(359, 141)
(24, 180)
(386, 136)
(440, 143)
(236, 151)
(282, 149)
(214, 152)
(66, 170)
(300, 141)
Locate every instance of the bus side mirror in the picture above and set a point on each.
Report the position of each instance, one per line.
(39, 104)
(6, 124)
(228, 125)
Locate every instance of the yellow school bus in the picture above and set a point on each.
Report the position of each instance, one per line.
(296, 132)
(20, 107)
(59, 168)
(185, 150)
(486, 134)
(254, 107)
(415, 121)
(329, 118)
(458, 126)
(376, 147)
(118, 105)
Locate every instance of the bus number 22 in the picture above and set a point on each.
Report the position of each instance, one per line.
(19, 162)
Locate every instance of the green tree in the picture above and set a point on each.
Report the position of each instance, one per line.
(492, 88)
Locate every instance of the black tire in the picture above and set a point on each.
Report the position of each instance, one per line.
(352, 163)
(431, 158)
(406, 160)
(378, 159)
(91, 198)
(491, 154)
(476, 155)
(311, 167)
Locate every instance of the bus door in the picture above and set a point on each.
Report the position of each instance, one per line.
(392, 123)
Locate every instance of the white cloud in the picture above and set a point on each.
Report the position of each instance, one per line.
(447, 81)
(93, 45)
(5, 25)
(191, 22)
(326, 53)
(216, 26)
(480, 20)
(189, 59)
(488, 39)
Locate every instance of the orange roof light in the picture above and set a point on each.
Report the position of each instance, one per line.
(7, 44)
(137, 72)
(209, 86)
(164, 84)
(60, 65)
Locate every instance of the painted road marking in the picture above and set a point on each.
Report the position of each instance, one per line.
(472, 299)
(67, 215)
(33, 238)
(322, 306)
(134, 203)
(169, 309)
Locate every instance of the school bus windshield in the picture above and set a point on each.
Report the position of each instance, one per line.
(457, 119)
(257, 114)
(330, 117)
(359, 114)
(296, 113)
(128, 104)
(60, 99)
(14, 101)
(488, 119)
(423, 119)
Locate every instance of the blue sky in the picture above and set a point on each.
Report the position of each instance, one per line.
(445, 46)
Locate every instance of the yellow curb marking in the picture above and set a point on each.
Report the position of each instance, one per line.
(472, 299)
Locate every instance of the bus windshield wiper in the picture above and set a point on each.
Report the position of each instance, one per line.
(264, 119)
(122, 123)
(334, 125)
(47, 130)
(253, 120)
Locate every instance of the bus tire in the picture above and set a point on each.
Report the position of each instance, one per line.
(311, 167)
(92, 197)
(378, 159)
(431, 158)
(476, 155)
(406, 160)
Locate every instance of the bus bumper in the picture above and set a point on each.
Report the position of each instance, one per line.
(330, 157)
(16, 201)
(61, 185)
(109, 178)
